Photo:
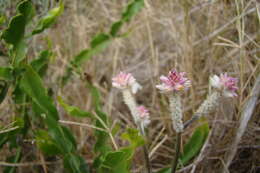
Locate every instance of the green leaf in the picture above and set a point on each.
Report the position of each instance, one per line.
(75, 164)
(134, 137)
(73, 110)
(14, 34)
(32, 85)
(98, 43)
(15, 31)
(60, 135)
(165, 170)
(115, 28)
(132, 9)
(46, 143)
(49, 19)
(16, 28)
(40, 64)
(6, 73)
(98, 40)
(2, 19)
(26, 8)
(68, 135)
(195, 143)
(13, 159)
(114, 162)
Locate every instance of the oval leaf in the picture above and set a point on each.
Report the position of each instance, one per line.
(49, 19)
(195, 143)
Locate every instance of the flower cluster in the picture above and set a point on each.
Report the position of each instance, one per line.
(124, 81)
(225, 83)
(174, 82)
(127, 83)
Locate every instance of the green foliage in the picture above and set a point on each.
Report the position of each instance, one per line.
(73, 110)
(75, 164)
(27, 9)
(40, 64)
(49, 19)
(132, 9)
(101, 144)
(98, 43)
(114, 162)
(46, 143)
(134, 138)
(102, 40)
(192, 147)
(32, 85)
(6, 74)
(15, 32)
(30, 95)
(164, 170)
(195, 143)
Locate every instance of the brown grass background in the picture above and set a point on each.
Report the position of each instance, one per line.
(201, 37)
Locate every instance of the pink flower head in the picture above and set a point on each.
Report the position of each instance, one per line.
(226, 83)
(174, 82)
(125, 80)
(143, 115)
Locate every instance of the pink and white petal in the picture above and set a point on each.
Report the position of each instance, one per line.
(164, 79)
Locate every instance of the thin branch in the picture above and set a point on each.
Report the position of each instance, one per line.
(8, 130)
(2, 163)
(82, 125)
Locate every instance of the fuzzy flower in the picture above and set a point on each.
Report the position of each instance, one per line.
(226, 84)
(174, 82)
(124, 81)
(143, 115)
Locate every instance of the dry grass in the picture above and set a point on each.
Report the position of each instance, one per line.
(200, 37)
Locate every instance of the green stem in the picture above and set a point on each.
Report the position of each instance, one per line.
(145, 150)
(177, 149)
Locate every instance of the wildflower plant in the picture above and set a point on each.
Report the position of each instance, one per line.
(129, 86)
(175, 83)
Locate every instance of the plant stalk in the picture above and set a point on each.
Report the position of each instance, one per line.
(145, 150)
(177, 149)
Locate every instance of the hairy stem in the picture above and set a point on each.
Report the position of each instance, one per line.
(176, 112)
(206, 107)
